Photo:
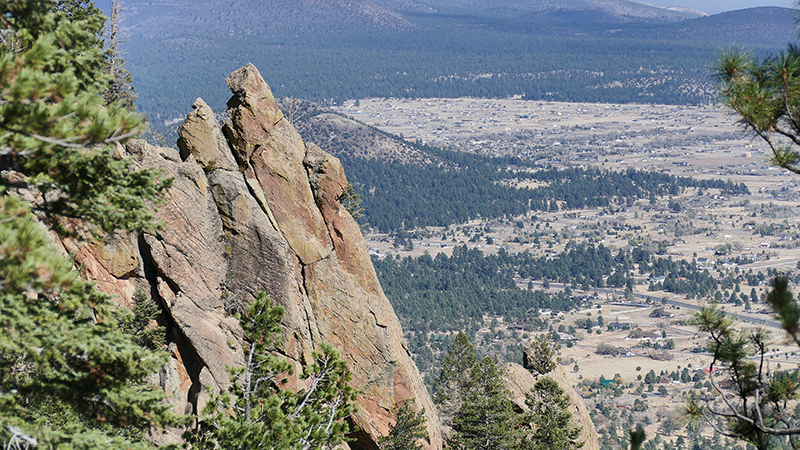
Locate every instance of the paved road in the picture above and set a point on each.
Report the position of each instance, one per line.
(643, 297)
(758, 320)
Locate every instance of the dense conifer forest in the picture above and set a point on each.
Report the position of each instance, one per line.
(453, 56)
(463, 187)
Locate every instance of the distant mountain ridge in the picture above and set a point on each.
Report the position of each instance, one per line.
(269, 18)
(767, 26)
(327, 51)
(256, 17)
(630, 9)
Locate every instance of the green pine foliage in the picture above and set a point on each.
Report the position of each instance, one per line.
(56, 130)
(475, 406)
(70, 377)
(139, 323)
(637, 437)
(763, 93)
(257, 412)
(485, 419)
(764, 96)
(407, 431)
(352, 202)
(763, 410)
(547, 425)
(542, 359)
(454, 379)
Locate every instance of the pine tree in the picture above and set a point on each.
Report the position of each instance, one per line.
(120, 89)
(69, 376)
(764, 95)
(541, 356)
(137, 323)
(452, 382)
(56, 133)
(547, 425)
(407, 431)
(352, 202)
(485, 419)
(258, 413)
(763, 411)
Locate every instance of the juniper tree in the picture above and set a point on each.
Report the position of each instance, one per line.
(257, 412)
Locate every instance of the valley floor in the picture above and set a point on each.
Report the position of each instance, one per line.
(712, 228)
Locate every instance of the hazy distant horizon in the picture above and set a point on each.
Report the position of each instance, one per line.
(708, 6)
(718, 6)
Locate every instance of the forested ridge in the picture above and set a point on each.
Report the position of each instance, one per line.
(420, 185)
(453, 56)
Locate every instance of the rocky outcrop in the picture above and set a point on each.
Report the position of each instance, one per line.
(254, 208)
(519, 381)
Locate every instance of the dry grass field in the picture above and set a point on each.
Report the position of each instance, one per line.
(702, 142)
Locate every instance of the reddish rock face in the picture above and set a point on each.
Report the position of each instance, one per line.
(254, 208)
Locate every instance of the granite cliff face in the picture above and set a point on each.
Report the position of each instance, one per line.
(254, 208)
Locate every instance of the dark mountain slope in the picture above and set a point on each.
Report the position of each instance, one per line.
(256, 18)
(623, 10)
(765, 26)
(331, 50)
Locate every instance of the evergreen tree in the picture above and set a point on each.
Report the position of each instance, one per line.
(637, 437)
(76, 9)
(257, 413)
(547, 425)
(56, 132)
(764, 410)
(352, 202)
(120, 89)
(407, 431)
(70, 377)
(764, 96)
(541, 357)
(138, 324)
(454, 379)
(485, 419)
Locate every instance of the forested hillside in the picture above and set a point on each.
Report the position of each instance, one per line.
(415, 186)
(377, 52)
